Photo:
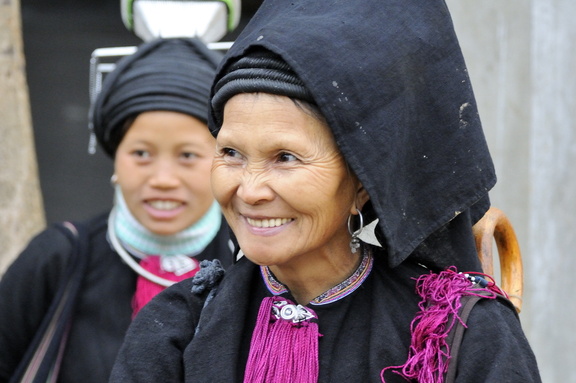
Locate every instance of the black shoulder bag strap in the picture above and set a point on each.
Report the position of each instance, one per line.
(42, 360)
(454, 338)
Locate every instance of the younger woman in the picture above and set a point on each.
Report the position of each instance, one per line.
(151, 119)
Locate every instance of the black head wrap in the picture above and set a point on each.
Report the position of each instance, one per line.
(258, 71)
(391, 82)
(164, 74)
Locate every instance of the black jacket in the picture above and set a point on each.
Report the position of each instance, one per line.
(102, 314)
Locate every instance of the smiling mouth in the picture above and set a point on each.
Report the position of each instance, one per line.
(270, 222)
(164, 204)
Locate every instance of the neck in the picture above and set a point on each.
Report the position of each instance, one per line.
(319, 275)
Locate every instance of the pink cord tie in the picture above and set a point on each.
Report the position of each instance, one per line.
(284, 347)
(146, 290)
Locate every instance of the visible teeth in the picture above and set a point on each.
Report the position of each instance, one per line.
(164, 205)
(272, 222)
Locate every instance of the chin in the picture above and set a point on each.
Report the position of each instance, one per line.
(263, 257)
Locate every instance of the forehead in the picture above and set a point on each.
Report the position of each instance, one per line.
(158, 127)
(253, 113)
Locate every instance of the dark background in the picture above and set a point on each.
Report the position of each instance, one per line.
(59, 37)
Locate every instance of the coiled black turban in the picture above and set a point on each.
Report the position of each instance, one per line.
(258, 71)
(164, 74)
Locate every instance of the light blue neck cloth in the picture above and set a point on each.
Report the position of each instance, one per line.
(141, 242)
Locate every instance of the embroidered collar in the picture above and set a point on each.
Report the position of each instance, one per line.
(337, 292)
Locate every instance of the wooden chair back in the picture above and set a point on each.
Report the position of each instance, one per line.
(495, 227)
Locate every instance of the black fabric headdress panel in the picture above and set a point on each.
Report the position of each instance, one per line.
(164, 74)
(390, 79)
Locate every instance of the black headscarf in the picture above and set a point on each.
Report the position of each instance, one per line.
(390, 79)
(164, 74)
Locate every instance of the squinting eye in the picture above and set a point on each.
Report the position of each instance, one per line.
(287, 157)
(228, 152)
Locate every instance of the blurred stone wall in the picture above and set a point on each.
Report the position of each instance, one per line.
(21, 211)
(521, 56)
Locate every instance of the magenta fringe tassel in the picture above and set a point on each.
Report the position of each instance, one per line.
(284, 346)
(429, 355)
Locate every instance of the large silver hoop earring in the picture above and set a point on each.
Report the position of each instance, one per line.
(355, 241)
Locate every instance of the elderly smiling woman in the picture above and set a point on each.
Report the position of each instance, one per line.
(286, 192)
(327, 116)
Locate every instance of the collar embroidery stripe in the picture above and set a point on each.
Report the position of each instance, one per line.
(341, 290)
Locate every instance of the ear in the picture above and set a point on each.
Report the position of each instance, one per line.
(361, 198)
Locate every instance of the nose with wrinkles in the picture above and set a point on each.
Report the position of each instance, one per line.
(253, 187)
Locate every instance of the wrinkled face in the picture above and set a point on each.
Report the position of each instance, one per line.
(281, 181)
(163, 168)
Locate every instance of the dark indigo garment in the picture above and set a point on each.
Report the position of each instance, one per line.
(361, 333)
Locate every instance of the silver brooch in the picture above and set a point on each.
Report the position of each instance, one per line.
(290, 312)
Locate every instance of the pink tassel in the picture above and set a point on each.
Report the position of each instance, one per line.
(146, 290)
(428, 355)
(284, 347)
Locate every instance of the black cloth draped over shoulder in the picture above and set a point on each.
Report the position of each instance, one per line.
(391, 81)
